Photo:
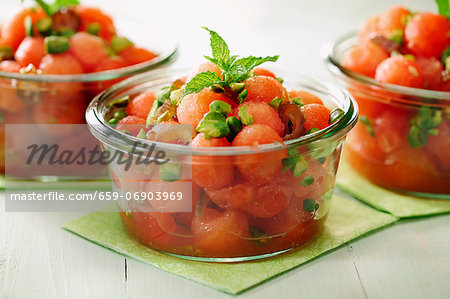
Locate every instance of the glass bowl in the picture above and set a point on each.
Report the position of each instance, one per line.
(63, 99)
(245, 219)
(402, 139)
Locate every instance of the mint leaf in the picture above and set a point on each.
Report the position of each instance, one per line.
(444, 7)
(201, 81)
(241, 67)
(220, 52)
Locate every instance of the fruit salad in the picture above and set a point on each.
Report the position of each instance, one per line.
(264, 154)
(398, 70)
(54, 58)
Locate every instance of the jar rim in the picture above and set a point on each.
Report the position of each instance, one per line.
(163, 58)
(121, 141)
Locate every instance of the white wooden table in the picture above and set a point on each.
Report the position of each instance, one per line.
(410, 259)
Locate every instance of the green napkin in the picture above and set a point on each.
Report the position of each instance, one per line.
(347, 220)
(399, 205)
(98, 184)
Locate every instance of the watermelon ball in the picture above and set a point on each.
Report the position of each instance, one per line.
(140, 106)
(110, 63)
(88, 49)
(431, 70)
(221, 234)
(293, 226)
(212, 172)
(427, 34)
(258, 168)
(364, 58)
(134, 55)
(153, 229)
(259, 71)
(234, 197)
(262, 113)
(60, 64)
(270, 201)
(31, 50)
(132, 124)
(206, 66)
(369, 29)
(316, 116)
(195, 105)
(400, 70)
(393, 19)
(264, 89)
(305, 97)
(9, 66)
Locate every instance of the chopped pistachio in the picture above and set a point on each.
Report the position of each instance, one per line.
(220, 107)
(119, 43)
(245, 117)
(275, 103)
(56, 44)
(93, 28)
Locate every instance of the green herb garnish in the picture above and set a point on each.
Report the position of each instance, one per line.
(142, 134)
(6, 52)
(276, 103)
(234, 69)
(56, 44)
(445, 58)
(220, 107)
(368, 123)
(93, 28)
(307, 181)
(170, 172)
(310, 205)
(397, 36)
(295, 162)
(28, 23)
(51, 9)
(245, 117)
(235, 125)
(423, 124)
(297, 101)
(119, 114)
(260, 237)
(119, 43)
(44, 25)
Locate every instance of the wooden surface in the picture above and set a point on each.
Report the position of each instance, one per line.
(410, 259)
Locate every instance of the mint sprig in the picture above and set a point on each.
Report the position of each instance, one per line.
(233, 69)
(444, 7)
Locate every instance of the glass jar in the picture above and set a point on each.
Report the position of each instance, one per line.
(63, 99)
(402, 139)
(241, 219)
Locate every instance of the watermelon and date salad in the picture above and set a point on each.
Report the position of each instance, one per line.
(402, 139)
(54, 58)
(65, 37)
(243, 205)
